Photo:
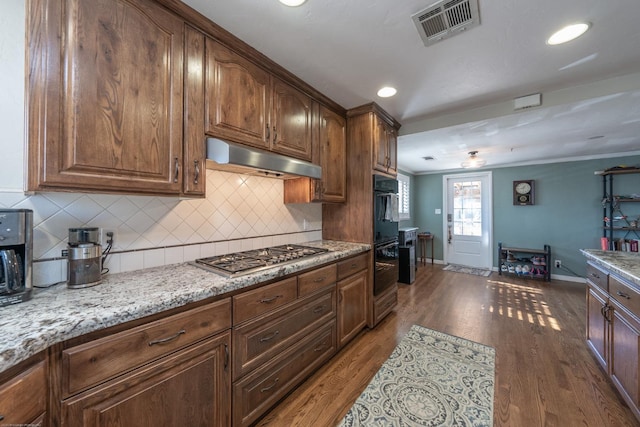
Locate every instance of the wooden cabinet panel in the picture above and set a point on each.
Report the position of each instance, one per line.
(291, 122)
(384, 304)
(237, 99)
(95, 361)
(352, 306)
(625, 350)
(264, 299)
(317, 279)
(258, 391)
(189, 388)
(257, 341)
(105, 106)
(385, 147)
(625, 294)
(194, 147)
(598, 277)
(597, 324)
(352, 265)
(23, 397)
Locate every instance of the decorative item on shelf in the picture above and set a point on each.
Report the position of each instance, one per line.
(524, 192)
(473, 161)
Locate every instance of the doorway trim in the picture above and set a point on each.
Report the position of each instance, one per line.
(487, 204)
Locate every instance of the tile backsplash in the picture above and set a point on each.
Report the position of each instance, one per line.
(240, 212)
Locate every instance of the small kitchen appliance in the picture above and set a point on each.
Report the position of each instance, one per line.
(16, 255)
(84, 255)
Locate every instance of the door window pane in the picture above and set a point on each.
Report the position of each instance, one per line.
(467, 208)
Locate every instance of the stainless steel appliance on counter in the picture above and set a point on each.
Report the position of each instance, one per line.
(386, 233)
(16, 255)
(408, 239)
(84, 255)
(241, 263)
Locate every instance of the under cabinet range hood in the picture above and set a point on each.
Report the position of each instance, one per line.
(230, 157)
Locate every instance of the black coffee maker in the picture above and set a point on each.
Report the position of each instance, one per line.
(16, 255)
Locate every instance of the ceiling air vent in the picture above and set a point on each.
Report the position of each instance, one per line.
(446, 19)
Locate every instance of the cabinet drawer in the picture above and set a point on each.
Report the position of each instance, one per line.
(351, 266)
(257, 392)
(598, 277)
(23, 398)
(256, 342)
(626, 295)
(315, 280)
(384, 304)
(259, 301)
(96, 361)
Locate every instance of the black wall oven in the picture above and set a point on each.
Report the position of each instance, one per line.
(386, 233)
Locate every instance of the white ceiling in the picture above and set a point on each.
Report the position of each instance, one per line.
(457, 95)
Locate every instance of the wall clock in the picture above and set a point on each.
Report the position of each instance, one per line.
(524, 192)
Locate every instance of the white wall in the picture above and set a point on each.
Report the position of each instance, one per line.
(239, 212)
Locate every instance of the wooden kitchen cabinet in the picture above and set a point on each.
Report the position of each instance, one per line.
(332, 151)
(105, 96)
(23, 395)
(613, 330)
(246, 104)
(385, 145)
(352, 306)
(191, 387)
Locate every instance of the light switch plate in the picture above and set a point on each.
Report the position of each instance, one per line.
(438, 211)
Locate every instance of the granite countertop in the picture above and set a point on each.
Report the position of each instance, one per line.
(57, 314)
(624, 264)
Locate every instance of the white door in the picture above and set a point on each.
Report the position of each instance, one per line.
(467, 219)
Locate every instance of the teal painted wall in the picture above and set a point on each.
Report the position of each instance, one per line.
(567, 214)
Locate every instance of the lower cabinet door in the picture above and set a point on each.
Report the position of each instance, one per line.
(624, 362)
(597, 325)
(191, 387)
(352, 306)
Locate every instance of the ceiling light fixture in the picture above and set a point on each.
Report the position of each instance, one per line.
(387, 91)
(473, 161)
(292, 3)
(568, 33)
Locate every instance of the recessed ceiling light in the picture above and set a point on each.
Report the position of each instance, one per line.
(387, 91)
(292, 3)
(568, 33)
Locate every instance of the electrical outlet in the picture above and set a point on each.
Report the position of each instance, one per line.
(107, 235)
(558, 263)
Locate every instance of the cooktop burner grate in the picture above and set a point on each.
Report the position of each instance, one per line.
(236, 264)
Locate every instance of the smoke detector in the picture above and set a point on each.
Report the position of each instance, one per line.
(446, 19)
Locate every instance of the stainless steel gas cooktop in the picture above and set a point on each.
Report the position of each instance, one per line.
(240, 263)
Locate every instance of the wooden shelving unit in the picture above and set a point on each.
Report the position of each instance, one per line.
(612, 210)
(525, 262)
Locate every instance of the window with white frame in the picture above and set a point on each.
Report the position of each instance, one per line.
(405, 196)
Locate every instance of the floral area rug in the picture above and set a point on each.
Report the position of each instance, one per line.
(430, 379)
(468, 270)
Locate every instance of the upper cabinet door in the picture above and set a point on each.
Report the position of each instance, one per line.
(291, 121)
(392, 149)
(333, 154)
(380, 144)
(236, 97)
(105, 96)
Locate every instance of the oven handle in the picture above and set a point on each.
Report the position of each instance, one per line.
(387, 245)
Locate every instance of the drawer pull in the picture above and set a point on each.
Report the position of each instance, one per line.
(319, 309)
(269, 337)
(166, 340)
(226, 357)
(595, 275)
(1, 417)
(321, 347)
(623, 295)
(320, 279)
(262, 390)
(268, 300)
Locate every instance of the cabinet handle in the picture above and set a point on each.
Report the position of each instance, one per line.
(270, 300)
(269, 337)
(177, 170)
(226, 357)
(623, 295)
(166, 340)
(268, 132)
(607, 310)
(1, 417)
(275, 134)
(321, 347)
(594, 275)
(320, 279)
(262, 390)
(319, 309)
(196, 168)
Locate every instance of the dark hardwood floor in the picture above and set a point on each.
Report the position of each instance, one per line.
(545, 374)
